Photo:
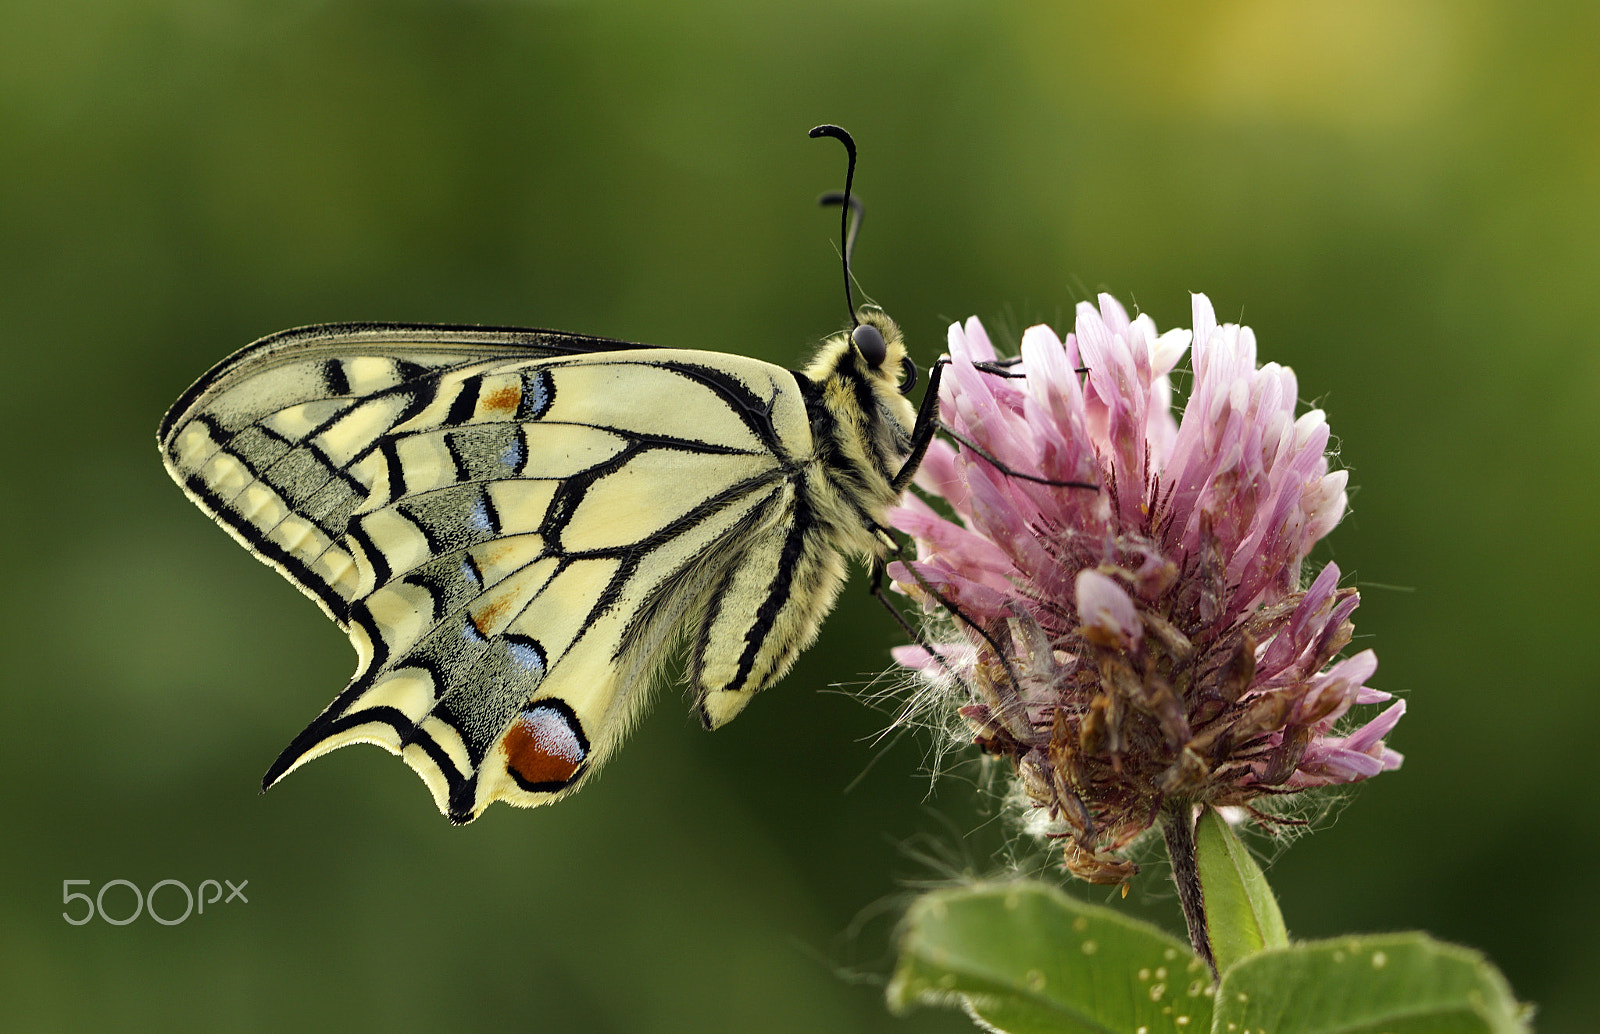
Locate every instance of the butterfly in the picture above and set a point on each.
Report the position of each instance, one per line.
(519, 528)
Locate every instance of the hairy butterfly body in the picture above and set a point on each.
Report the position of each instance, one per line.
(517, 528)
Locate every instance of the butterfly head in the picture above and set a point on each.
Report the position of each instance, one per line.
(862, 376)
(872, 352)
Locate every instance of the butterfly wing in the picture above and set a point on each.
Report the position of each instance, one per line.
(514, 527)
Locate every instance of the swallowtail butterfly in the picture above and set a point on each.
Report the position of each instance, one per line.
(517, 528)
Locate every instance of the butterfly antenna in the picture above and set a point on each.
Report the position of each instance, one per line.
(846, 234)
(857, 211)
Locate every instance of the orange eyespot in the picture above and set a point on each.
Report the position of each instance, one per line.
(545, 747)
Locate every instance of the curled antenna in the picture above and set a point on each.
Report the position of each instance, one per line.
(846, 237)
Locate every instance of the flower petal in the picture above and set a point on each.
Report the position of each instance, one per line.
(1106, 610)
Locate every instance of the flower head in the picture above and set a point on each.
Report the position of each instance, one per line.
(1148, 641)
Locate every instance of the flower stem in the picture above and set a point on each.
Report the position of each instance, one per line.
(1177, 826)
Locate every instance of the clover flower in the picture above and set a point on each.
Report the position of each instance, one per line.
(1148, 643)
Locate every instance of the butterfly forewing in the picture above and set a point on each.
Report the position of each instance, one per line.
(514, 527)
(284, 440)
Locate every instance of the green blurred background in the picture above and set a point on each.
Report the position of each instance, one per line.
(1400, 197)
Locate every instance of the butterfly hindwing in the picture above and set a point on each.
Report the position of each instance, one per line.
(515, 528)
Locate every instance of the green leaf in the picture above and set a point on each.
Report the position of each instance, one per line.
(1405, 983)
(1024, 957)
(1241, 912)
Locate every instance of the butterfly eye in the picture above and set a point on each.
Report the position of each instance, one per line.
(908, 370)
(869, 342)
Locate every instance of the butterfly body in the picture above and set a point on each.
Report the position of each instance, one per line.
(517, 528)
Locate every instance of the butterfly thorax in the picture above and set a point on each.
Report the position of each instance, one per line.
(861, 426)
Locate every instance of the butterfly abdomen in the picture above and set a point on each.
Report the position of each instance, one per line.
(862, 426)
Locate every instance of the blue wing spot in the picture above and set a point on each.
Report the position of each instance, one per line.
(513, 454)
(526, 653)
(538, 392)
(470, 633)
(483, 518)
